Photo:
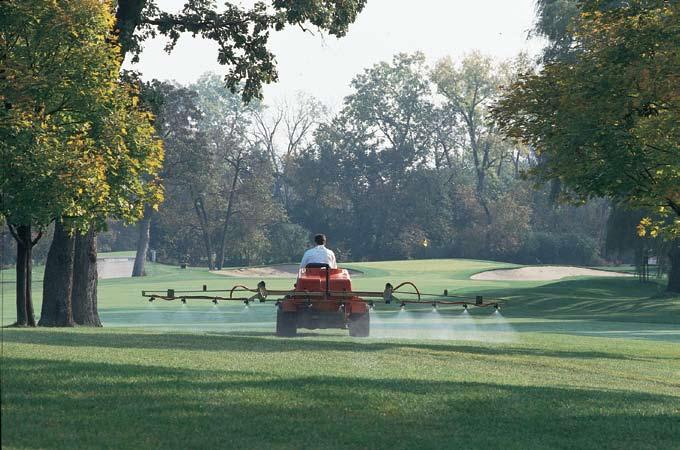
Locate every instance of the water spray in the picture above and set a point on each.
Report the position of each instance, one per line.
(309, 301)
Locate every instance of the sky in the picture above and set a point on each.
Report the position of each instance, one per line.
(324, 66)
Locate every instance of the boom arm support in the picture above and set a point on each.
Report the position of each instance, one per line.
(261, 293)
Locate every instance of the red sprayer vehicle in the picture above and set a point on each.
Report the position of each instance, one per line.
(323, 298)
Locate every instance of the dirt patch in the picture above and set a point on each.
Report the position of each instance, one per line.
(278, 271)
(543, 273)
(114, 267)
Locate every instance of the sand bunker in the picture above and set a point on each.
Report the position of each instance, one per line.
(543, 273)
(278, 271)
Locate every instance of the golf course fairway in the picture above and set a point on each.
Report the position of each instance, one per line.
(576, 363)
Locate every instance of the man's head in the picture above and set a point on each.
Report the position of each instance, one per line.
(320, 239)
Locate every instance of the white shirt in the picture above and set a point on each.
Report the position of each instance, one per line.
(319, 255)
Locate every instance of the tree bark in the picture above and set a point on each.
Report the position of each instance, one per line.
(674, 271)
(142, 244)
(24, 303)
(58, 282)
(85, 280)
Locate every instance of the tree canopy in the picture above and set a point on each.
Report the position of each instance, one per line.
(242, 34)
(74, 142)
(607, 116)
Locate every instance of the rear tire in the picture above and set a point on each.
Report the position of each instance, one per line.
(286, 324)
(359, 325)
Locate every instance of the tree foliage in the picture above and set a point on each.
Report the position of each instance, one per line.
(397, 167)
(241, 33)
(74, 142)
(609, 121)
(218, 178)
(607, 116)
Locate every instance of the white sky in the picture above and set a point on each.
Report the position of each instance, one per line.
(324, 66)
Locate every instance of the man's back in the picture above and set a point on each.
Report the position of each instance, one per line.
(319, 255)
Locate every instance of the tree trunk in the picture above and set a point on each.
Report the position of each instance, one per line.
(58, 282)
(674, 271)
(85, 281)
(204, 225)
(227, 218)
(25, 315)
(223, 239)
(142, 244)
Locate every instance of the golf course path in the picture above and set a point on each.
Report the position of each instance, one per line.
(543, 273)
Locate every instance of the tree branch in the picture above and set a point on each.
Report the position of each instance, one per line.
(14, 234)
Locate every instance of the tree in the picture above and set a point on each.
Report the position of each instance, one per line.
(242, 36)
(361, 177)
(214, 172)
(468, 89)
(124, 141)
(74, 147)
(284, 130)
(607, 116)
(225, 124)
(553, 22)
(175, 115)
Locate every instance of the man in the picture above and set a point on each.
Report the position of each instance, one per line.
(319, 254)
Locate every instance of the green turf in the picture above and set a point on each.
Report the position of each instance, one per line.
(587, 363)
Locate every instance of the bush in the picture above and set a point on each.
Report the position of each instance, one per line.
(558, 248)
(287, 242)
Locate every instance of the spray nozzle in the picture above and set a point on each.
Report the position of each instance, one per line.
(371, 305)
(184, 300)
(402, 306)
(214, 301)
(496, 306)
(151, 300)
(465, 306)
(434, 305)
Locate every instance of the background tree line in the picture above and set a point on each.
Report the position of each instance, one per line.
(412, 166)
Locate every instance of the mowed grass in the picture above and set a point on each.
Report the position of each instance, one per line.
(592, 363)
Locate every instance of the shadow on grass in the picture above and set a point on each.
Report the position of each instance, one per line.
(266, 343)
(62, 404)
(600, 298)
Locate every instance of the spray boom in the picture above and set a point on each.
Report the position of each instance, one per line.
(389, 295)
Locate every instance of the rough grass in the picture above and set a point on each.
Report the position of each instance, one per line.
(596, 364)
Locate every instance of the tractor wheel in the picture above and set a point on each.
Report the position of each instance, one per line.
(359, 325)
(286, 324)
